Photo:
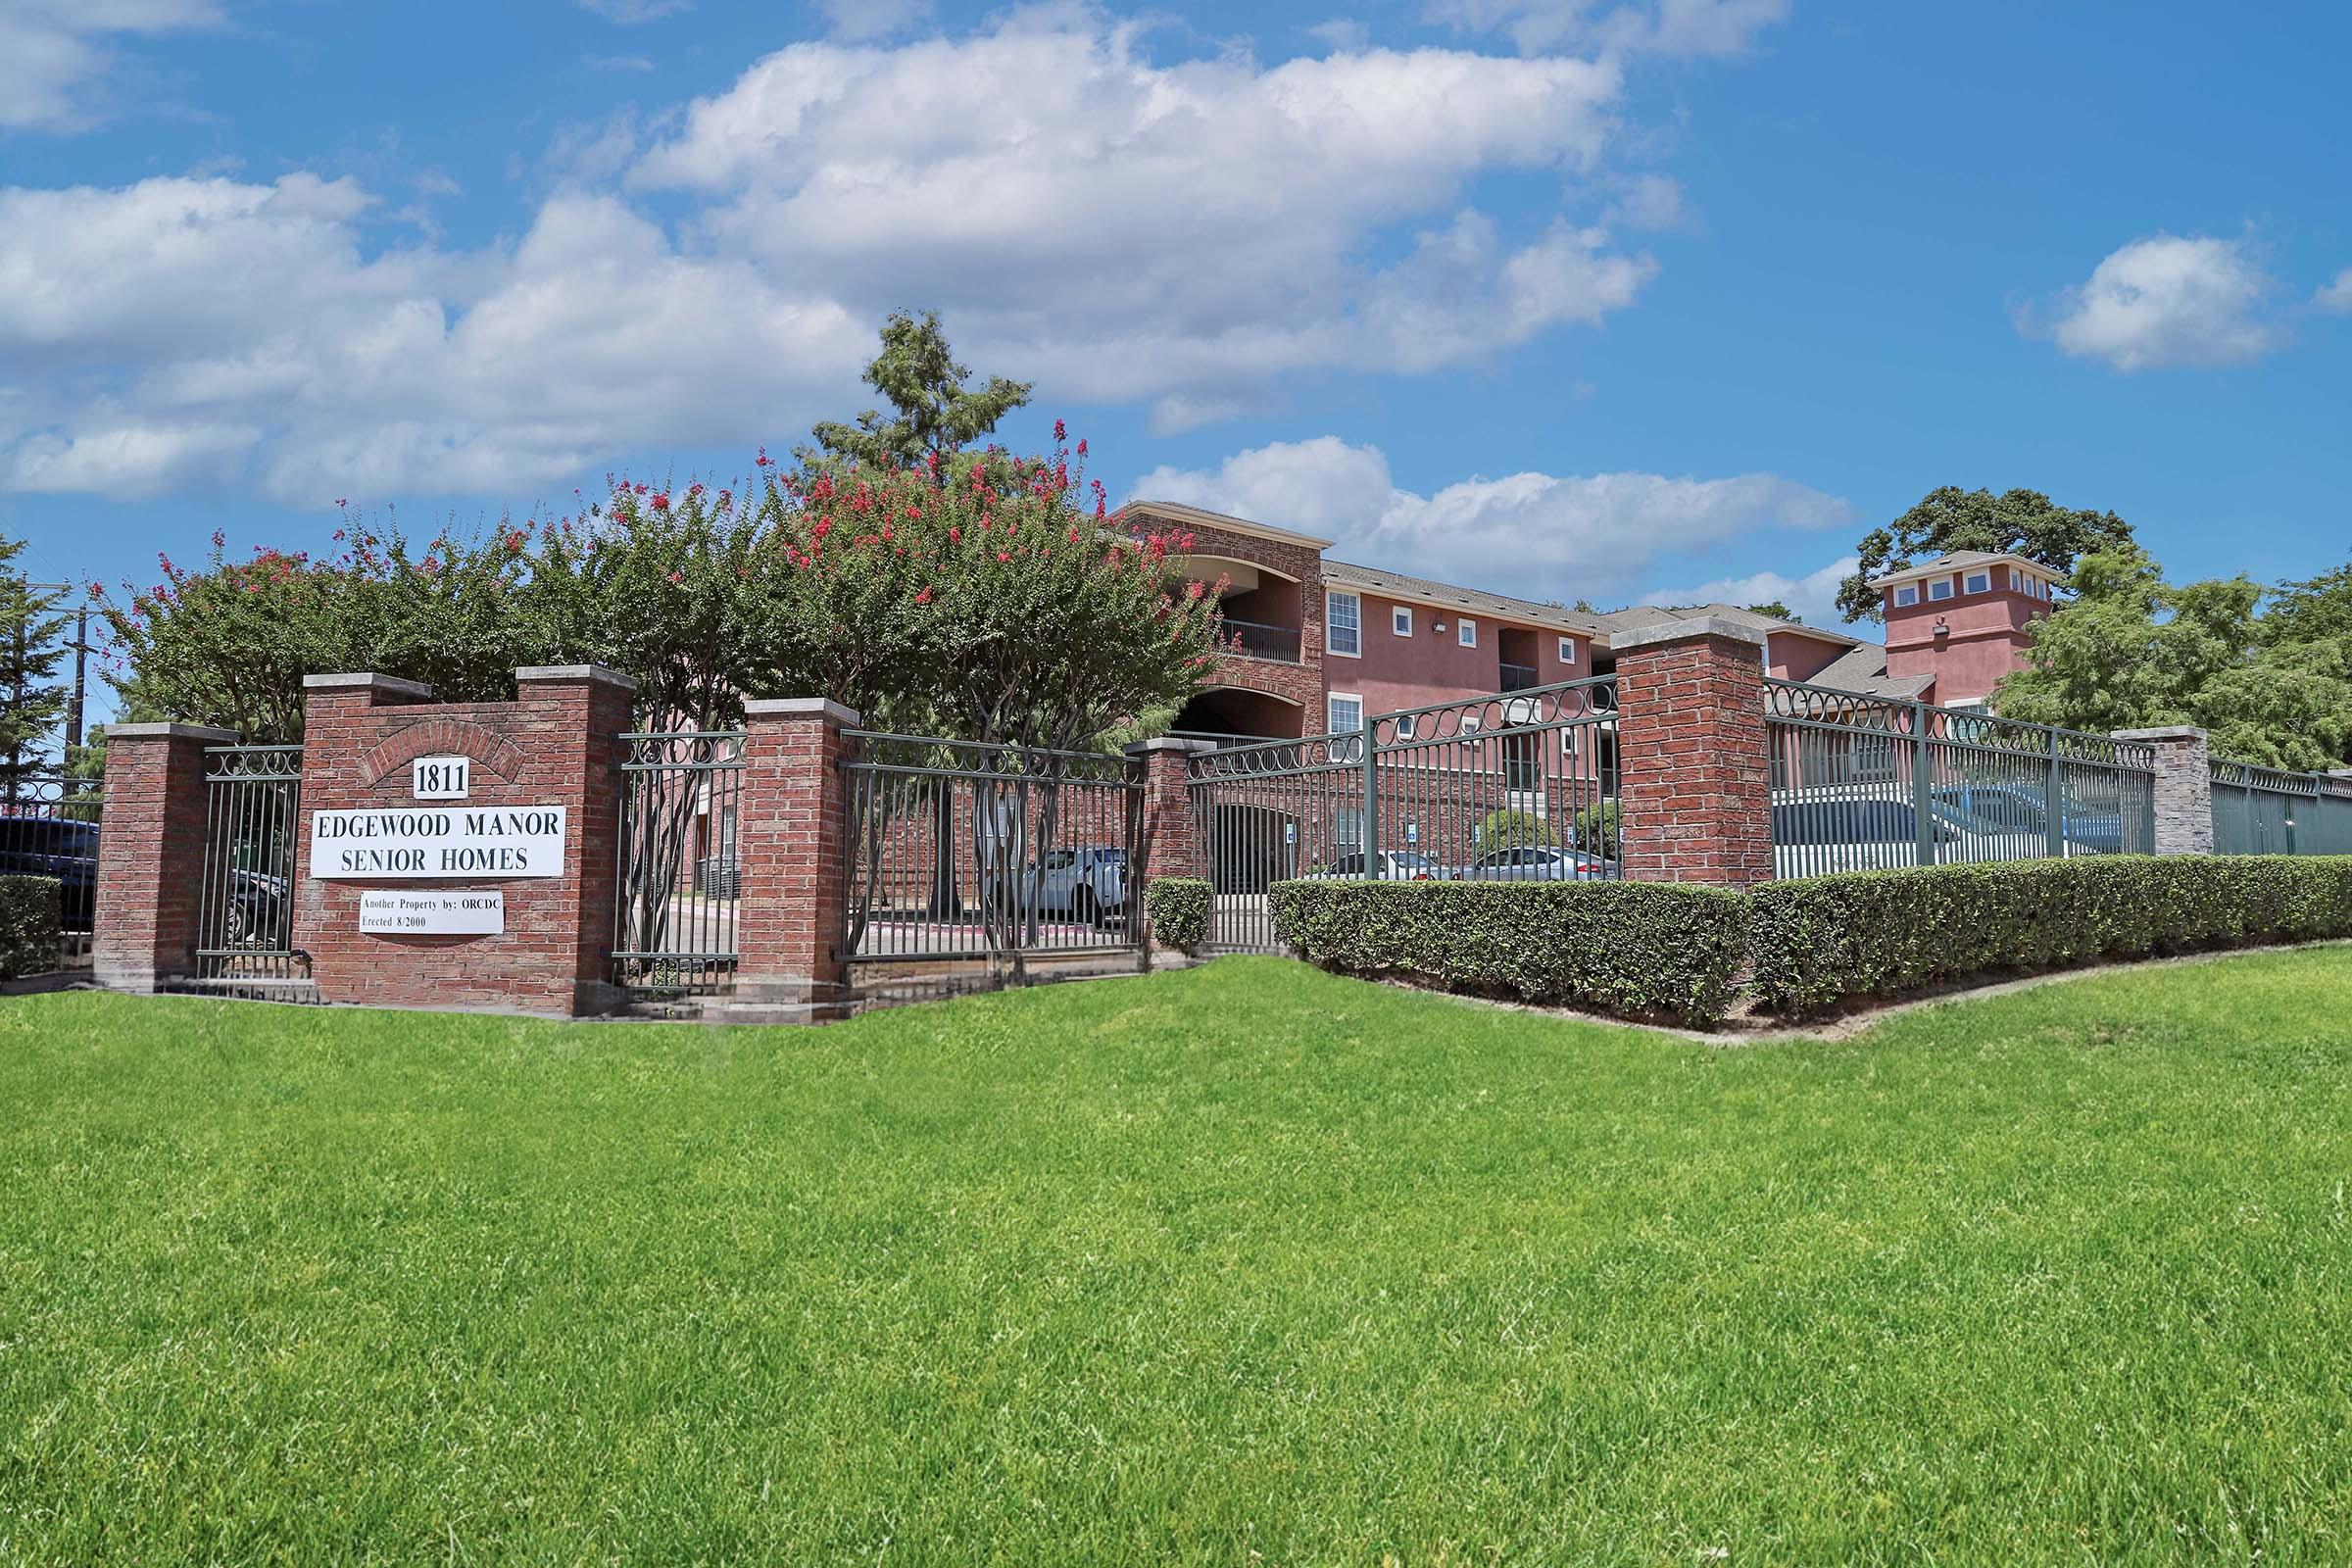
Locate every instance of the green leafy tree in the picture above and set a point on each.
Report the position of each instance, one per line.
(2020, 522)
(32, 700)
(938, 414)
(1509, 829)
(2313, 610)
(1777, 609)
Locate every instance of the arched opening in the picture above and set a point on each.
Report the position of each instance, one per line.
(1235, 716)
(1262, 607)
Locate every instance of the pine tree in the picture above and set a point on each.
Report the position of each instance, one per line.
(32, 703)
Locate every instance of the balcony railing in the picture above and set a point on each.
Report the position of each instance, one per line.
(1256, 640)
(1518, 677)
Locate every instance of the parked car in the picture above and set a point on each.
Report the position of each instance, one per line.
(1391, 865)
(54, 845)
(1532, 863)
(255, 915)
(1087, 883)
(2085, 829)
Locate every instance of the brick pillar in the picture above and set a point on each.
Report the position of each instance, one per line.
(2184, 787)
(1695, 790)
(790, 838)
(579, 712)
(151, 854)
(1171, 837)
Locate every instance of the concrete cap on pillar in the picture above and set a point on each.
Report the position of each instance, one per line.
(172, 732)
(368, 681)
(2162, 732)
(1185, 744)
(1684, 631)
(800, 707)
(590, 672)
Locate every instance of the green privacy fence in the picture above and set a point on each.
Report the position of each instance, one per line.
(2262, 811)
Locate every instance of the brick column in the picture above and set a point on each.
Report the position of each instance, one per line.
(790, 838)
(2184, 787)
(1695, 790)
(151, 854)
(579, 712)
(1171, 837)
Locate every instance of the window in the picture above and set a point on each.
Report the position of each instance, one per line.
(1343, 623)
(1980, 582)
(1567, 650)
(1465, 632)
(1345, 712)
(1907, 594)
(1401, 620)
(2016, 581)
(1404, 726)
(1940, 588)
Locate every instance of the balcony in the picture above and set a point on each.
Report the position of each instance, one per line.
(1254, 639)
(1518, 677)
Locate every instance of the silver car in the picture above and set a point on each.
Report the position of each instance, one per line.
(1530, 862)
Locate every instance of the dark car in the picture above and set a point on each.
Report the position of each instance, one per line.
(53, 846)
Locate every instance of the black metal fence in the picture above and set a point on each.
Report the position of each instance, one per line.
(2266, 810)
(1516, 787)
(49, 827)
(1861, 783)
(960, 850)
(245, 906)
(680, 883)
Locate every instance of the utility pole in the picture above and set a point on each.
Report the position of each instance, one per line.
(82, 657)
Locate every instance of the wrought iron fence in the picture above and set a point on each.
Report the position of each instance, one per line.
(674, 920)
(49, 827)
(1864, 782)
(1260, 640)
(245, 905)
(1518, 786)
(2266, 811)
(959, 849)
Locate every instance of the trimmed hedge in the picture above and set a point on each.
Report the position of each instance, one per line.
(1635, 948)
(1178, 906)
(30, 916)
(1828, 940)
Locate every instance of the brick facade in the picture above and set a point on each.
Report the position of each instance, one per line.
(2184, 787)
(1171, 834)
(1694, 777)
(151, 854)
(791, 840)
(558, 744)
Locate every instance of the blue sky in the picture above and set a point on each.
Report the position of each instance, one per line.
(1569, 298)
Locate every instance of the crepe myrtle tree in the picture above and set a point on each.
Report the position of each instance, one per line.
(989, 599)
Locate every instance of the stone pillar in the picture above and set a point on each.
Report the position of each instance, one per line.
(2184, 787)
(1695, 787)
(790, 839)
(151, 854)
(557, 744)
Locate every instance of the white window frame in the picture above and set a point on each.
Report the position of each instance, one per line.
(1331, 623)
(1331, 717)
(1465, 632)
(1945, 583)
(1567, 650)
(2016, 581)
(1404, 726)
(1977, 582)
(1401, 620)
(1901, 589)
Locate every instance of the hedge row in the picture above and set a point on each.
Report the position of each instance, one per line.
(1828, 940)
(1661, 950)
(1178, 908)
(29, 920)
(1635, 949)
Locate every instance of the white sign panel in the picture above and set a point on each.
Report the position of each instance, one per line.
(468, 841)
(441, 778)
(432, 912)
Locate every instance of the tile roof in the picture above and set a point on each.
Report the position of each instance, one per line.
(1372, 579)
(1862, 669)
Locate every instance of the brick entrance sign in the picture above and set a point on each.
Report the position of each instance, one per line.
(556, 748)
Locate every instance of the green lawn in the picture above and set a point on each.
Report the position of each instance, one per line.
(1246, 1264)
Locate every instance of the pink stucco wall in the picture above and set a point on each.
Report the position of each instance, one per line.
(1430, 667)
(1793, 656)
(1984, 639)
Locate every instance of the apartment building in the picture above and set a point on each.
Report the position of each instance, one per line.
(1318, 643)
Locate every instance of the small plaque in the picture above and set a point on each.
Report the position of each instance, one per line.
(441, 778)
(439, 913)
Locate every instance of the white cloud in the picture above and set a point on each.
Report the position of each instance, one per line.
(1812, 598)
(2336, 298)
(1537, 535)
(1686, 28)
(1182, 235)
(55, 53)
(1346, 36)
(2169, 300)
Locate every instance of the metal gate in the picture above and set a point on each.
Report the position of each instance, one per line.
(673, 924)
(1517, 786)
(49, 827)
(245, 906)
(959, 851)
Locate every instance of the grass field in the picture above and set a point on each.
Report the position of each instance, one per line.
(1246, 1264)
